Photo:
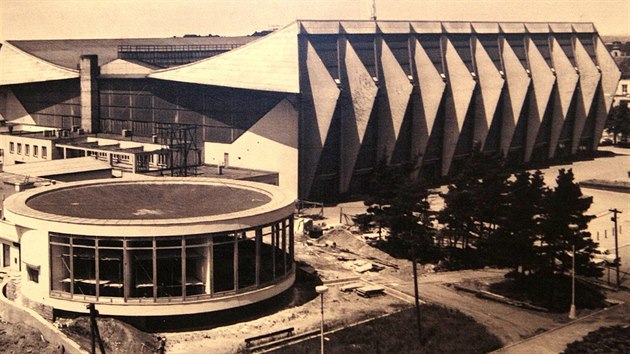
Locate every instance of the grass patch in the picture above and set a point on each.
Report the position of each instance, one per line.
(551, 292)
(443, 331)
(615, 339)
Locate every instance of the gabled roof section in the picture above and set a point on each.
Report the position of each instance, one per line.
(126, 69)
(19, 67)
(267, 64)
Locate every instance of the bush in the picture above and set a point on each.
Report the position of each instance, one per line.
(443, 331)
(614, 339)
(550, 291)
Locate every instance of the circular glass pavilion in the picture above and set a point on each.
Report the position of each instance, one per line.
(155, 246)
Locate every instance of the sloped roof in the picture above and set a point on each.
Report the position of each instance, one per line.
(268, 64)
(66, 52)
(57, 167)
(18, 67)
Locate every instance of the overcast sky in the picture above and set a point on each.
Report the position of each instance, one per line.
(66, 19)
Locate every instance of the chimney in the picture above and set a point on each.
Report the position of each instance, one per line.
(88, 73)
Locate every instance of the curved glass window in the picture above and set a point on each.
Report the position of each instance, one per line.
(164, 269)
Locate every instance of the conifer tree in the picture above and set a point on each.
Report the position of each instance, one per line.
(564, 225)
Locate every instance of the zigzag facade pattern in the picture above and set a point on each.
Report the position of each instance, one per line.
(430, 92)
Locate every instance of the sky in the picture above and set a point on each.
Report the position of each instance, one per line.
(74, 19)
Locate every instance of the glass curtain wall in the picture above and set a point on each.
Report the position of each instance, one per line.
(164, 269)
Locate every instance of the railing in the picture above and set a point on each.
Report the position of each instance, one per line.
(175, 48)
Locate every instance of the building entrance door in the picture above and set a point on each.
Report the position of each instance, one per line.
(6, 255)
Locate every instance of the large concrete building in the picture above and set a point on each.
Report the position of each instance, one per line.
(321, 102)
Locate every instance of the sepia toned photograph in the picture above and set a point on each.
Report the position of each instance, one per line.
(314, 176)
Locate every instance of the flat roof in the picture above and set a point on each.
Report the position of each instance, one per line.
(140, 200)
(149, 207)
(58, 167)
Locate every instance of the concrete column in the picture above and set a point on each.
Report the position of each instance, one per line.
(88, 72)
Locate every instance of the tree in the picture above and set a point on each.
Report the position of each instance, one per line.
(514, 244)
(618, 122)
(473, 203)
(399, 204)
(564, 226)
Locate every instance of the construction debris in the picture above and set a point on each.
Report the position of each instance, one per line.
(370, 291)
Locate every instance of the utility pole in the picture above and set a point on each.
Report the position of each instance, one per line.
(94, 332)
(417, 296)
(615, 211)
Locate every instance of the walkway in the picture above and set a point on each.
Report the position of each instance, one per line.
(556, 340)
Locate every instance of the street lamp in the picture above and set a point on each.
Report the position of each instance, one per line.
(321, 290)
(572, 315)
(572, 310)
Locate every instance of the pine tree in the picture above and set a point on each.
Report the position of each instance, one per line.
(399, 204)
(514, 244)
(564, 225)
(474, 201)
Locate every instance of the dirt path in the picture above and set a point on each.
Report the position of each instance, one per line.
(556, 341)
(509, 323)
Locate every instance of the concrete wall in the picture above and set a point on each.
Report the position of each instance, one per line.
(83, 176)
(14, 255)
(270, 145)
(11, 312)
(11, 109)
(10, 158)
(34, 244)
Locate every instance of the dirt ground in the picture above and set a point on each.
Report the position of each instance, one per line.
(336, 266)
(16, 338)
(341, 308)
(118, 337)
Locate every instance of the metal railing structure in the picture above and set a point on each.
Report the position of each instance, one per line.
(169, 55)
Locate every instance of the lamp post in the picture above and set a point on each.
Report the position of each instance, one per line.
(572, 315)
(572, 310)
(321, 290)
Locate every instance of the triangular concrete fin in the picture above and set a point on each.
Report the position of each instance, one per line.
(491, 85)
(543, 81)
(517, 85)
(589, 80)
(398, 91)
(362, 91)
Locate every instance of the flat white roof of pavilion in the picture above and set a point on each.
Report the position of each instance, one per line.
(148, 208)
